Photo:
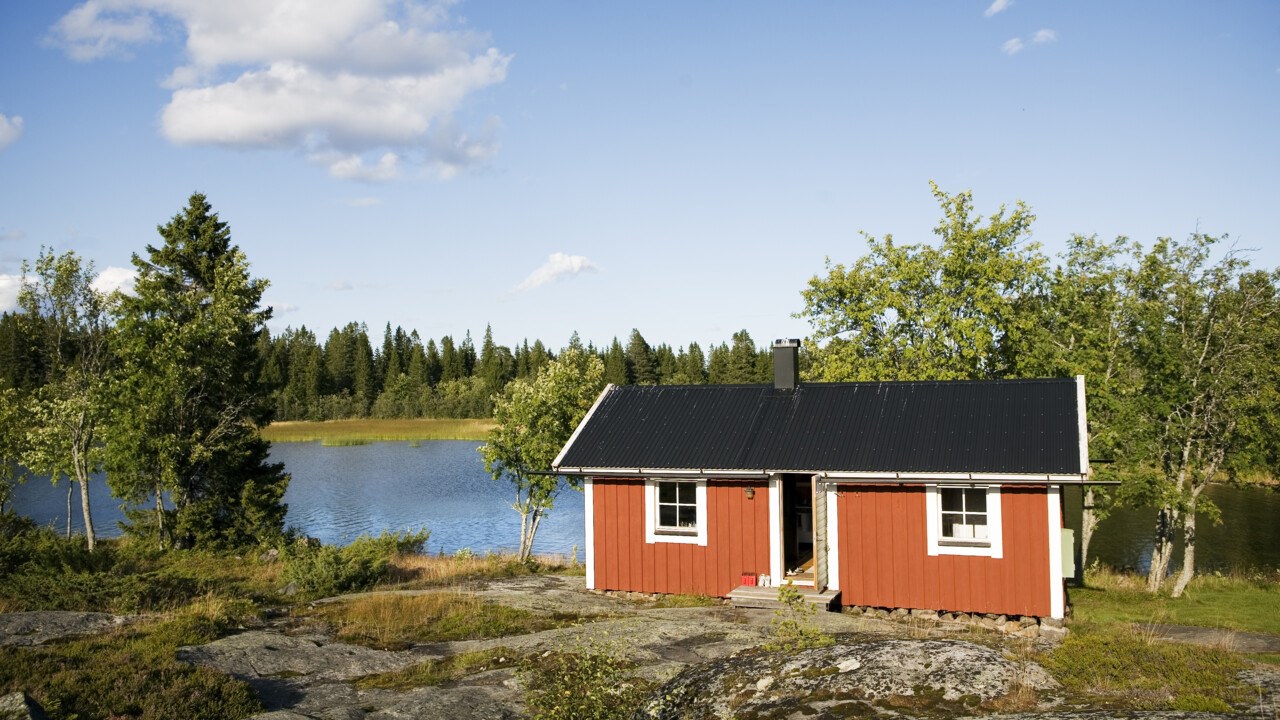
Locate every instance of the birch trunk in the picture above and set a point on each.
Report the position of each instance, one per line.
(1188, 550)
(1088, 522)
(1162, 548)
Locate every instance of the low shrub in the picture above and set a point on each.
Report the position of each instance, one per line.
(589, 682)
(327, 570)
(793, 624)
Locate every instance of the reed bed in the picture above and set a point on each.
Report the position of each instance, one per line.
(365, 430)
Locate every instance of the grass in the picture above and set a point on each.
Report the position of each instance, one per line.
(413, 571)
(396, 622)
(133, 672)
(1235, 602)
(685, 601)
(366, 430)
(444, 670)
(1119, 666)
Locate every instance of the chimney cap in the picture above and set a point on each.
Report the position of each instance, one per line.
(786, 342)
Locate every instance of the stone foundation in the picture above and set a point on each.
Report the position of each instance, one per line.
(1018, 625)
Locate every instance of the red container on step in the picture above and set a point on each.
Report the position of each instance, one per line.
(748, 578)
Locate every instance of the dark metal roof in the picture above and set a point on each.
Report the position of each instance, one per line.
(1007, 426)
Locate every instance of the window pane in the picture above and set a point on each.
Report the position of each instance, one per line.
(952, 499)
(688, 516)
(667, 515)
(949, 523)
(687, 492)
(667, 492)
(975, 500)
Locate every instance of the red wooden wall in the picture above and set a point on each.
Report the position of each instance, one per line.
(737, 541)
(885, 561)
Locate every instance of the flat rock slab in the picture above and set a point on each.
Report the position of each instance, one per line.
(261, 654)
(42, 626)
(847, 678)
(1234, 640)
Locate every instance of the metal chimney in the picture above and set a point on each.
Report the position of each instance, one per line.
(786, 364)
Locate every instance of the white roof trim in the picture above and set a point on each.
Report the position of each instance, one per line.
(555, 464)
(1083, 419)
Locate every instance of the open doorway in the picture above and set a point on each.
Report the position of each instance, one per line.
(797, 529)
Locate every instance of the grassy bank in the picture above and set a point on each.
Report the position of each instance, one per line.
(1236, 602)
(353, 432)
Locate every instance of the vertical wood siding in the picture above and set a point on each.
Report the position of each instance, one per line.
(737, 541)
(885, 561)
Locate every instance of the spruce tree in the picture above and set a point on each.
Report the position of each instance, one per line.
(190, 398)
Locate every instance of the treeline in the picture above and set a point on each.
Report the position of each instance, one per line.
(348, 376)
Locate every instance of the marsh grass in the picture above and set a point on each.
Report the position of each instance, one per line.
(413, 570)
(1235, 601)
(1118, 666)
(366, 430)
(396, 622)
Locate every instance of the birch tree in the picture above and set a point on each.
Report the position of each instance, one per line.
(535, 419)
(66, 414)
(1201, 334)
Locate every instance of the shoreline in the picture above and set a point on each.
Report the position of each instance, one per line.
(361, 430)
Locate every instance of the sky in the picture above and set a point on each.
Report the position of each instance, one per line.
(680, 168)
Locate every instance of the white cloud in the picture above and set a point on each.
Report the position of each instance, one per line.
(1012, 46)
(12, 235)
(99, 28)
(341, 285)
(1044, 36)
(9, 285)
(114, 278)
(998, 6)
(10, 130)
(364, 201)
(557, 266)
(360, 85)
(282, 308)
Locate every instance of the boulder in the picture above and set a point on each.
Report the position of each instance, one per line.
(848, 679)
(18, 706)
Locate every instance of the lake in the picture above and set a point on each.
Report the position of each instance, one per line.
(338, 493)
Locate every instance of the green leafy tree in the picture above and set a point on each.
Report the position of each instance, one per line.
(66, 414)
(615, 364)
(12, 439)
(1080, 325)
(1202, 332)
(190, 399)
(535, 419)
(912, 312)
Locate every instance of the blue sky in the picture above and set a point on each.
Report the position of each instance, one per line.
(681, 168)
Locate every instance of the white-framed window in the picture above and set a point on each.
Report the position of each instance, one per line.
(675, 511)
(964, 520)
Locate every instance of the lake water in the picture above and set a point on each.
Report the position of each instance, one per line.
(338, 493)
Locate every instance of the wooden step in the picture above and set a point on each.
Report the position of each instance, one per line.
(753, 596)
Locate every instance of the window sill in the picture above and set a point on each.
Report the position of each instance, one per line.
(676, 533)
(944, 542)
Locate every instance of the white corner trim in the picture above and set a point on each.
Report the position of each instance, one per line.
(995, 526)
(833, 537)
(588, 499)
(775, 527)
(1082, 419)
(555, 464)
(1057, 601)
(651, 534)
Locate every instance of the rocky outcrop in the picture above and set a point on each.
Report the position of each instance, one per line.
(17, 706)
(939, 676)
(37, 628)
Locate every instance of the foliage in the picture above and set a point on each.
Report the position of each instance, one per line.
(12, 439)
(587, 682)
(535, 419)
(67, 412)
(133, 672)
(918, 312)
(325, 570)
(1119, 665)
(793, 625)
(190, 396)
